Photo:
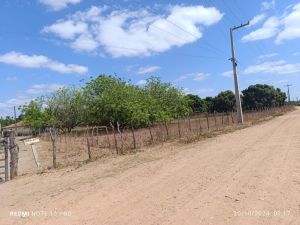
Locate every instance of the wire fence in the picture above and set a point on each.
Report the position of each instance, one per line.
(88, 143)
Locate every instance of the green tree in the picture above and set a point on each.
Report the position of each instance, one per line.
(168, 102)
(111, 99)
(262, 95)
(67, 108)
(210, 104)
(6, 121)
(107, 100)
(34, 115)
(280, 97)
(224, 101)
(196, 103)
(137, 107)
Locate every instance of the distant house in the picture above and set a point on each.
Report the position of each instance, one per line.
(21, 128)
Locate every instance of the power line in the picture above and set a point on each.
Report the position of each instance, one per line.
(222, 32)
(232, 18)
(259, 45)
(229, 21)
(208, 45)
(259, 51)
(177, 53)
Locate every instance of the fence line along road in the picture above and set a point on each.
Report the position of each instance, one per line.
(87, 143)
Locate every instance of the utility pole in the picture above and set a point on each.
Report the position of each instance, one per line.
(240, 118)
(15, 117)
(288, 93)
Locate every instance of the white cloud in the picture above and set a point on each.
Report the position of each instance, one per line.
(194, 76)
(44, 88)
(24, 97)
(59, 4)
(147, 69)
(125, 33)
(281, 82)
(271, 55)
(291, 25)
(12, 78)
(286, 27)
(142, 70)
(257, 19)
(274, 67)
(268, 30)
(67, 29)
(141, 82)
(40, 61)
(181, 78)
(268, 5)
(199, 91)
(200, 76)
(85, 42)
(228, 73)
(18, 101)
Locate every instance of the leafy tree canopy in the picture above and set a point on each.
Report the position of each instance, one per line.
(6, 121)
(34, 115)
(107, 100)
(224, 102)
(262, 95)
(66, 107)
(196, 103)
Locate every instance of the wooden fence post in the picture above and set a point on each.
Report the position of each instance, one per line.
(53, 140)
(207, 120)
(228, 120)
(151, 135)
(107, 135)
(97, 132)
(190, 126)
(200, 127)
(222, 119)
(121, 136)
(215, 119)
(167, 129)
(133, 136)
(88, 147)
(87, 133)
(14, 155)
(178, 124)
(115, 138)
(6, 158)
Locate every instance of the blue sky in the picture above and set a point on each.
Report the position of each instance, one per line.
(47, 44)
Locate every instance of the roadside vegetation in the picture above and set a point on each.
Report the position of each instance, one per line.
(113, 101)
(5, 121)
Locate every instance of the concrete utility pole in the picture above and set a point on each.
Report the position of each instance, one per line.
(15, 117)
(288, 93)
(240, 118)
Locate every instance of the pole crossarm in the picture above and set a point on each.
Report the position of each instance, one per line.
(242, 25)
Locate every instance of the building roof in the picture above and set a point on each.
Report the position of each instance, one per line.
(19, 124)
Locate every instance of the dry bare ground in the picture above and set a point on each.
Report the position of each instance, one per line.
(250, 176)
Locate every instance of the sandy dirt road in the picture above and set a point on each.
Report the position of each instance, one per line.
(250, 176)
